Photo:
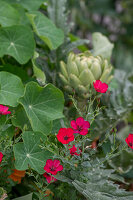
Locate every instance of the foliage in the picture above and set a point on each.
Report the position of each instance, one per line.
(35, 36)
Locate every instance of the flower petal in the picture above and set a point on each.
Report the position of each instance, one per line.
(80, 121)
(73, 124)
(56, 163)
(86, 125)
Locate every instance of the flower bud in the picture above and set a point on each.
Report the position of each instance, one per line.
(81, 70)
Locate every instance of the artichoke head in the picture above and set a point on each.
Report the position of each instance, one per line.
(81, 70)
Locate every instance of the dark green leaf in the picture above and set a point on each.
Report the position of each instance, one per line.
(11, 89)
(18, 42)
(28, 153)
(42, 106)
(46, 30)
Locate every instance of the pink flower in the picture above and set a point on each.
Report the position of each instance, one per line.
(53, 166)
(73, 151)
(65, 135)
(4, 110)
(80, 126)
(1, 156)
(100, 87)
(129, 140)
(49, 178)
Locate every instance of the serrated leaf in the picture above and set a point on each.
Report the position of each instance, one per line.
(11, 89)
(46, 30)
(28, 153)
(42, 106)
(101, 45)
(18, 42)
(38, 73)
(8, 15)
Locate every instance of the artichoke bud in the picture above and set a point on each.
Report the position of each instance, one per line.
(81, 89)
(96, 70)
(82, 70)
(72, 68)
(64, 80)
(63, 69)
(105, 75)
(74, 81)
(86, 77)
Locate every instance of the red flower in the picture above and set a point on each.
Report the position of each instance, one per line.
(80, 126)
(100, 87)
(1, 156)
(4, 110)
(129, 140)
(49, 178)
(53, 166)
(73, 151)
(65, 135)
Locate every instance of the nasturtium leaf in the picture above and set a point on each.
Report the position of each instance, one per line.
(20, 119)
(29, 153)
(26, 197)
(18, 42)
(101, 45)
(8, 15)
(42, 105)
(11, 89)
(46, 30)
(16, 70)
(38, 73)
(23, 18)
(28, 4)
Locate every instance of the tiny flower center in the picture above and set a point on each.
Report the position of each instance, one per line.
(52, 168)
(80, 128)
(66, 137)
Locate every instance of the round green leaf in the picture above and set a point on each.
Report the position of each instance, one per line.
(101, 45)
(8, 15)
(46, 30)
(18, 42)
(42, 106)
(11, 89)
(28, 153)
(28, 4)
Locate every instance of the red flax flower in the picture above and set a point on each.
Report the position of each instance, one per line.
(49, 178)
(4, 110)
(65, 135)
(100, 87)
(73, 151)
(1, 156)
(80, 126)
(129, 140)
(53, 166)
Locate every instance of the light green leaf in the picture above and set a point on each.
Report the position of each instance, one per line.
(101, 45)
(46, 30)
(11, 89)
(28, 4)
(8, 15)
(42, 106)
(28, 153)
(26, 197)
(18, 42)
(39, 74)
